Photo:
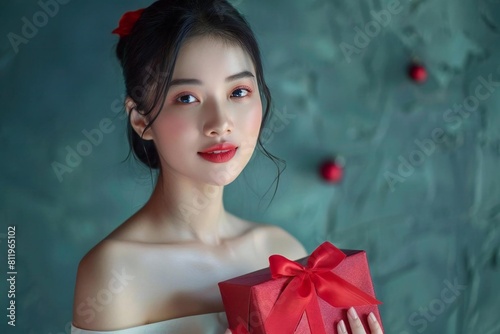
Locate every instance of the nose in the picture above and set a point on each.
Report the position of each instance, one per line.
(218, 121)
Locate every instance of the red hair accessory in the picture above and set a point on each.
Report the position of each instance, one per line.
(127, 22)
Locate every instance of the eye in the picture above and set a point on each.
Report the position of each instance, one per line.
(240, 92)
(186, 99)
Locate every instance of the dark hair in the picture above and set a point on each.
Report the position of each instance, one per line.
(149, 53)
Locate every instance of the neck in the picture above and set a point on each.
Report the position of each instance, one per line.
(192, 211)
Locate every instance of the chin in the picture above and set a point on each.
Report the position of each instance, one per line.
(226, 173)
(221, 184)
(223, 177)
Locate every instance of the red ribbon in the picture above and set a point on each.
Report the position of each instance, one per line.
(307, 284)
(127, 22)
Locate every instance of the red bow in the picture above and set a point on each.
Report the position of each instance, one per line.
(307, 283)
(127, 22)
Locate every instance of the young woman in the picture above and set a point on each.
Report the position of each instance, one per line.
(195, 90)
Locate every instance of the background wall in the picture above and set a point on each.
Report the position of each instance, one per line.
(421, 184)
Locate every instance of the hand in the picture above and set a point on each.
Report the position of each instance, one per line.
(228, 331)
(356, 325)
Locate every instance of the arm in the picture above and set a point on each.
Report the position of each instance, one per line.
(103, 292)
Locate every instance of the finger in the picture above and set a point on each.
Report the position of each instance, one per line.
(374, 325)
(228, 331)
(355, 322)
(341, 327)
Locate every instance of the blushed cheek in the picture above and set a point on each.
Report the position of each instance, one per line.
(254, 120)
(169, 130)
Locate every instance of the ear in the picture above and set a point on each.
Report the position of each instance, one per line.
(137, 120)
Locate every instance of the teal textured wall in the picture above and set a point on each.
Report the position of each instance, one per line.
(421, 189)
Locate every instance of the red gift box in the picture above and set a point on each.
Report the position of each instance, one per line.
(308, 296)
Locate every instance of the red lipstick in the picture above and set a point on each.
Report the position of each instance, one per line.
(219, 153)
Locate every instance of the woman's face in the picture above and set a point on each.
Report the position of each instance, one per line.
(214, 99)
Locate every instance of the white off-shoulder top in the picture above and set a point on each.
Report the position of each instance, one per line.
(210, 323)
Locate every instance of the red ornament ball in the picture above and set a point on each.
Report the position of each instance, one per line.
(331, 171)
(417, 73)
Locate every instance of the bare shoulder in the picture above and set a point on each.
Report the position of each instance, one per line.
(276, 240)
(104, 282)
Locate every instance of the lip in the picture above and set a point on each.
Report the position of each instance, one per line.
(228, 152)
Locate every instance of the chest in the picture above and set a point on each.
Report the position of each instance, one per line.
(189, 275)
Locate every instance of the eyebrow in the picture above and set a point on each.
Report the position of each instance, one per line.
(244, 74)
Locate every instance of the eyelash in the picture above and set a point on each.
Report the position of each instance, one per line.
(249, 91)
